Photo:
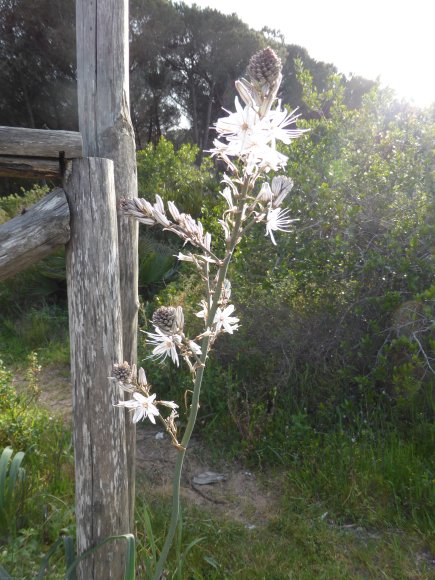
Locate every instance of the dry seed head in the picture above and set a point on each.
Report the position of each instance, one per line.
(122, 372)
(165, 319)
(265, 67)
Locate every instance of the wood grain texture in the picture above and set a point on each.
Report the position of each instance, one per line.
(27, 238)
(21, 142)
(96, 343)
(107, 131)
(29, 167)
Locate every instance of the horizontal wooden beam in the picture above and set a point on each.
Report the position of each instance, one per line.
(21, 142)
(30, 167)
(33, 235)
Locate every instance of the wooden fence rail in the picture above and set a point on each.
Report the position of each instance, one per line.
(37, 153)
(33, 235)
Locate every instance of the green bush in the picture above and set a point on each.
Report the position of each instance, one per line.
(330, 371)
(175, 176)
(13, 205)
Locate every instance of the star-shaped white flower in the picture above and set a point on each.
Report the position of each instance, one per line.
(142, 407)
(277, 220)
(239, 125)
(251, 136)
(164, 345)
(225, 321)
(275, 124)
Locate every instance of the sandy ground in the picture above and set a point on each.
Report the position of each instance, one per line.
(237, 495)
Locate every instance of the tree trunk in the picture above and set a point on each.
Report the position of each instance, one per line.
(96, 343)
(194, 112)
(105, 125)
(207, 125)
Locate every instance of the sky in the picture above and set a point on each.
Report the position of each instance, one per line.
(389, 40)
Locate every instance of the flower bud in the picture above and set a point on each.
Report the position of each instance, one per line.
(122, 372)
(265, 67)
(179, 319)
(164, 318)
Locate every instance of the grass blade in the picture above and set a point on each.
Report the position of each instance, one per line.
(45, 561)
(14, 473)
(68, 544)
(130, 565)
(150, 534)
(130, 558)
(4, 461)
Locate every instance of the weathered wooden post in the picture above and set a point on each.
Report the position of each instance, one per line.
(94, 304)
(107, 131)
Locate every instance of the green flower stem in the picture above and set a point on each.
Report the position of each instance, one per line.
(175, 513)
(178, 469)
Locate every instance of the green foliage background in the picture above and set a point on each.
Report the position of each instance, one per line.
(334, 357)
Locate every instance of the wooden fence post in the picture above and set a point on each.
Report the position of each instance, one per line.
(92, 265)
(107, 131)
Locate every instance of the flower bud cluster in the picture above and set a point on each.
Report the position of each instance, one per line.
(264, 72)
(168, 319)
(184, 226)
(122, 372)
(265, 67)
(168, 338)
(143, 404)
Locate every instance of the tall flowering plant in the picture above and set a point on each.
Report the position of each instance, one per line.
(246, 143)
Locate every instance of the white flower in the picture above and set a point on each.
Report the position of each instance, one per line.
(255, 138)
(268, 158)
(159, 205)
(224, 321)
(204, 312)
(159, 212)
(226, 194)
(240, 124)
(277, 220)
(143, 407)
(185, 257)
(226, 291)
(265, 195)
(173, 210)
(169, 404)
(195, 348)
(207, 241)
(165, 345)
(276, 121)
(142, 379)
(281, 187)
(245, 91)
(226, 229)
(275, 193)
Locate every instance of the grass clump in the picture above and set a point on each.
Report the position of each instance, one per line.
(295, 540)
(43, 507)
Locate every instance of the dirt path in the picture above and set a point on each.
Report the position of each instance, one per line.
(237, 495)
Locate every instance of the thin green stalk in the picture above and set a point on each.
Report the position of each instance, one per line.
(196, 394)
